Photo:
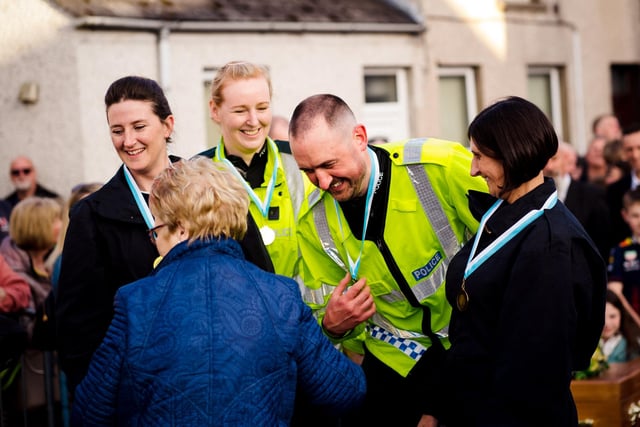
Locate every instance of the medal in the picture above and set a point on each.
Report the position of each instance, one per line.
(462, 301)
(473, 262)
(268, 235)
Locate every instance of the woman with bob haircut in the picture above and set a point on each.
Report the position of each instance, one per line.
(209, 338)
(34, 227)
(528, 291)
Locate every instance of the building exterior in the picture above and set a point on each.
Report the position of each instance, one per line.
(407, 67)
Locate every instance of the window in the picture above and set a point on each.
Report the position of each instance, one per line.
(522, 5)
(386, 106)
(458, 102)
(212, 129)
(544, 90)
(380, 88)
(625, 86)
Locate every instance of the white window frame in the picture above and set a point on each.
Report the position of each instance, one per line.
(396, 132)
(469, 76)
(555, 96)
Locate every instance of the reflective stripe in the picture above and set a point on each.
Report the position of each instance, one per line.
(433, 209)
(314, 197)
(295, 183)
(380, 321)
(316, 296)
(412, 151)
(394, 296)
(444, 332)
(411, 348)
(431, 284)
(322, 227)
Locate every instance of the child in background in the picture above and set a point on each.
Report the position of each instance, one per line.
(619, 341)
(624, 262)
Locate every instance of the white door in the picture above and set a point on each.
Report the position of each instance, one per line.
(386, 110)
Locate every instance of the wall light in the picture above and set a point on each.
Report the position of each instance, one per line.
(29, 92)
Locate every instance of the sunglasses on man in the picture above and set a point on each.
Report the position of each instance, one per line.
(24, 171)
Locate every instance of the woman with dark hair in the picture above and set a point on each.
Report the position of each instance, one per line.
(619, 340)
(106, 245)
(527, 291)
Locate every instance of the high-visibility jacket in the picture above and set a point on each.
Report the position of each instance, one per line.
(287, 197)
(411, 255)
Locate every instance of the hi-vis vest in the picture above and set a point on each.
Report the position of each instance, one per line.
(287, 198)
(426, 223)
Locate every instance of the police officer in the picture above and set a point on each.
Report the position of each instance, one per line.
(376, 237)
(241, 105)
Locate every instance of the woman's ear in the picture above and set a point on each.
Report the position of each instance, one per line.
(183, 231)
(214, 112)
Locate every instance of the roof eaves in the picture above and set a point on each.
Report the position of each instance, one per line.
(112, 23)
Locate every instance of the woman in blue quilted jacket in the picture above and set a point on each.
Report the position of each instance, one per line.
(208, 338)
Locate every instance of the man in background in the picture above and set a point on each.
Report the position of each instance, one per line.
(279, 130)
(24, 178)
(586, 201)
(607, 126)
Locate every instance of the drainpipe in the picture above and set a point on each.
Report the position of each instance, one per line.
(581, 138)
(164, 54)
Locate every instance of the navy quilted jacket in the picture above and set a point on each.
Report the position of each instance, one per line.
(208, 339)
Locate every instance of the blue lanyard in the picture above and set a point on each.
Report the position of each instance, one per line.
(137, 196)
(474, 263)
(263, 206)
(354, 266)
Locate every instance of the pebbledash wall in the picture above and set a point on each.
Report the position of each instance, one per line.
(66, 133)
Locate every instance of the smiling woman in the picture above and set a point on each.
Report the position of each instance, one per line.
(241, 105)
(107, 245)
(529, 287)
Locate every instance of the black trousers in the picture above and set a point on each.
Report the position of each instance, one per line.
(392, 400)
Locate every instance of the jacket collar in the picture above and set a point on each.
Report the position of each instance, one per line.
(226, 246)
(115, 201)
(508, 214)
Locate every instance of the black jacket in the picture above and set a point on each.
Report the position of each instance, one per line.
(615, 192)
(106, 247)
(40, 192)
(589, 205)
(535, 314)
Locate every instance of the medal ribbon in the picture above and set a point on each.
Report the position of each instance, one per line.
(262, 206)
(474, 263)
(354, 266)
(137, 196)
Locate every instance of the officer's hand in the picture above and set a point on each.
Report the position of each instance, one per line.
(427, 421)
(347, 309)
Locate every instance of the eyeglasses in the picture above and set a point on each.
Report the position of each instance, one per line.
(17, 172)
(153, 235)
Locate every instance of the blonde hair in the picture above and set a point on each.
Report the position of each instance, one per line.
(237, 70)
(204, 197)
(31, 223)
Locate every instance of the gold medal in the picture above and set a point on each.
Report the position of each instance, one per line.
(462, 301)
